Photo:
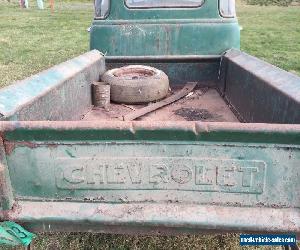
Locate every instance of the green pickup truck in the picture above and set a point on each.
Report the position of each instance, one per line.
(226, 157)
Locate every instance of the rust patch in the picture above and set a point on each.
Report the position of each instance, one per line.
(194, 114)
(52, 146)
(2, 136)
(121, 125)
(10, 146)
(11, 214)
(121, 213)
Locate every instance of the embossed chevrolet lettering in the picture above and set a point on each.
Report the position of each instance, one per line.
(207, 175)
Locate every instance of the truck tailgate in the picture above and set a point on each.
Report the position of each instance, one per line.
(151, 177)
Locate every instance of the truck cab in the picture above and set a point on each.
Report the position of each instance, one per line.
(157, 28)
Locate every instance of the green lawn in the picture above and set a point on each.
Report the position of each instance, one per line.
(272, 33)
(32, 40)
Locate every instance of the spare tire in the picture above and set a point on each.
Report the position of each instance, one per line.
(136, 84)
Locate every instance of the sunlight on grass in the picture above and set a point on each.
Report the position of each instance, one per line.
(272, 34)
(32, 40)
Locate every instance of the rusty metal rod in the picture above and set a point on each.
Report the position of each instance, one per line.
(140, 112)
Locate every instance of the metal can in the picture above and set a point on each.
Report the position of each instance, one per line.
(101, 94)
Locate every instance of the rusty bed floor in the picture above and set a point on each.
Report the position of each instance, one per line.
(204, 104)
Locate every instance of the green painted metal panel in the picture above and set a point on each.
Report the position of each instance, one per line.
(160, 38)
(162, 32)
(60, 93)
(204, 173)
(141, 177)
(154, 131)
(204, 71)
(101, 174)
(259, 91)
(175, 160)
(153, 218)
(119, 11)
(6, 190)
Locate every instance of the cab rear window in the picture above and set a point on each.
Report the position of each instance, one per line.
(163, 3)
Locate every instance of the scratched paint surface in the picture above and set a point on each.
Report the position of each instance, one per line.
(159, 39)
(159, 32)
(252, 85)
(204, 72)
(158, 172)
(60, 93)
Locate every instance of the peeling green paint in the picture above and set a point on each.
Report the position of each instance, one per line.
(162, 32)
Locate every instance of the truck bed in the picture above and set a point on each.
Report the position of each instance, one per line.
(189, 167)
(203, 104)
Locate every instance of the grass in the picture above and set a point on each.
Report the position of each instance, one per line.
(32, 40)
(78, 241)
(272, 33)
